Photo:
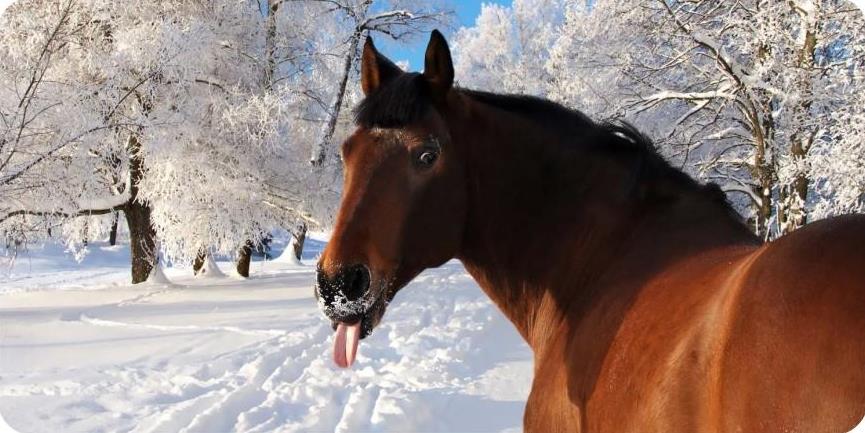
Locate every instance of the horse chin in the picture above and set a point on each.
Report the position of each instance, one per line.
(375, 313)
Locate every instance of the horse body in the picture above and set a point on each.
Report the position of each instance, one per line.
(648, 305)
(680, 320)
(734, 339)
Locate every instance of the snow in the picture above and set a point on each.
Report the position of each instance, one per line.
(81, 350)
(211, 269)
(157, 276)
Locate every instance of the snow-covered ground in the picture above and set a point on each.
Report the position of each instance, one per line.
(82, 350)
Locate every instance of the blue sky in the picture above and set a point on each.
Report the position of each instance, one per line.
(466, 11)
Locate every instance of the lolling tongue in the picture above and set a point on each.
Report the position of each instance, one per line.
(345, 344)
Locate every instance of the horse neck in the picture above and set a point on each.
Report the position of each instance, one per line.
(544, 224)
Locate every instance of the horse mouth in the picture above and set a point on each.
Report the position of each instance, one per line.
(350, 330)
(355, 319)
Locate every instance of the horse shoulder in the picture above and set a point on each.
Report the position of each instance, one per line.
(795, 346)
(657, 371)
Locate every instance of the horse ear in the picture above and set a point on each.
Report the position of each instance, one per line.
(375, 69)
(438, 66)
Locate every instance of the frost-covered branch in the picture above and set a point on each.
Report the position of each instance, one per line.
(58, 214)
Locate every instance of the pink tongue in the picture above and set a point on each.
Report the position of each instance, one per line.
(345, 344)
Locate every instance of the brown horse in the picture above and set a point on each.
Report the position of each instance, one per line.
(648, 304)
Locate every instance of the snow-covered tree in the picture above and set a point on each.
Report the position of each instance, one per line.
(757, 84)
(59, 120)
(194, 120)
(508, 48)
(558, 49)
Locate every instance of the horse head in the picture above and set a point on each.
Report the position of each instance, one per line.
(404, 195)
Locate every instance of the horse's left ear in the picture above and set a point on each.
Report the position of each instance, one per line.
(438, 67)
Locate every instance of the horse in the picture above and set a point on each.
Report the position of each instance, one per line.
(648, 303)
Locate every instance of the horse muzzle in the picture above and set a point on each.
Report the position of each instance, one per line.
(344, 297)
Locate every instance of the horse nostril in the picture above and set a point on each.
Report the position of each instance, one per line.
(356, 282)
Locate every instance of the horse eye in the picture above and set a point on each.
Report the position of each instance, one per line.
(428, 157)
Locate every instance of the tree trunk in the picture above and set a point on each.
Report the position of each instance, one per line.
(112, 236)
(244, 256)
(763, 173)
(319, 153)
(142, 240)
(795, 213)
(270, 43)
(200, 259)
(86, 239)
(792, 213)
(298, 238)
(142, 237)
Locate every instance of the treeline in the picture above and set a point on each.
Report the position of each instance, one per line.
(204, 125)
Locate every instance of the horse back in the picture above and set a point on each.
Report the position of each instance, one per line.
(794, 351)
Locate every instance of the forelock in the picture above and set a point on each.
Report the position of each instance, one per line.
(400, 102)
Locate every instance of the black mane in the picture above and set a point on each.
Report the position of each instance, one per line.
(543, 111)
(406, 99)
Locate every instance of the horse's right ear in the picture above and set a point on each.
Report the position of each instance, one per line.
(375, 69)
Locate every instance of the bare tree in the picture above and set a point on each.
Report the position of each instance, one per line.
(742, 75)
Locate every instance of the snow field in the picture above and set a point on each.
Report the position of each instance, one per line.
(224, 354)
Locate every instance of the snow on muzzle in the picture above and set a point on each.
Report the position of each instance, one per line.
(346, 300)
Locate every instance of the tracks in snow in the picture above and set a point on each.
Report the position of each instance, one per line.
(111, 323)
(427, 367)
